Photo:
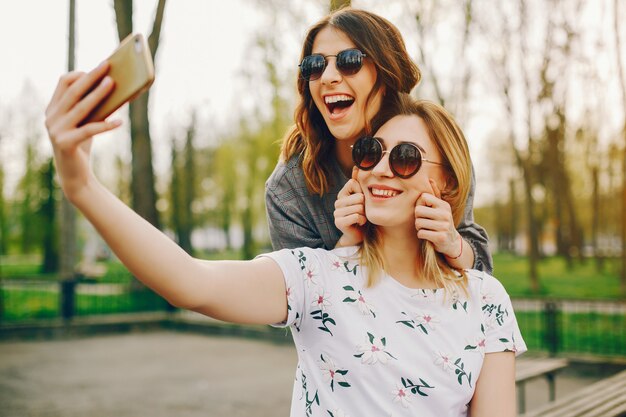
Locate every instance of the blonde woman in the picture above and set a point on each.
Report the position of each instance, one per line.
(382, 328)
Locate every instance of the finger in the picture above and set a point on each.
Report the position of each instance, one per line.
(435, 213)
(351, 187)
(350, 200)
(65, 81)
(354, 219)
(430, 200)
(432, 225)
(355, 172)
(81, 86)
(75, 137)
(434, 237)
(348, 211)
(426, 200)
(83, 108)
(435, 188)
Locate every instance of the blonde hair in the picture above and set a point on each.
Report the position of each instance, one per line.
(452, 146)
(396, 75)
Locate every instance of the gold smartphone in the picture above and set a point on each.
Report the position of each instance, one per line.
(132, 71)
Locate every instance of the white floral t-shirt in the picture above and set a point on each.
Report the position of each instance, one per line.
(387, 350)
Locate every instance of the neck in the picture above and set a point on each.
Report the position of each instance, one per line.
(343, 153)
(400, 252)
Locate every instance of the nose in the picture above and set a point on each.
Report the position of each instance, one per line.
(382, 168)
(330, 74)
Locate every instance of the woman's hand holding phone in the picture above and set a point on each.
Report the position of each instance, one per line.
(75, 97)
(350, 212)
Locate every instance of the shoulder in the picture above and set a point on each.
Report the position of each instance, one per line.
(488, 286)
(286, 175)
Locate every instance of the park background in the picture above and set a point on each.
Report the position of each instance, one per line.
(538, 86)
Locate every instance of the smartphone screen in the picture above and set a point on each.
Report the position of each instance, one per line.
(132, 71)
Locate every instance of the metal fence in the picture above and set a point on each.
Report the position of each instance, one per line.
(573, 326)
(553, 326)
(28, 300)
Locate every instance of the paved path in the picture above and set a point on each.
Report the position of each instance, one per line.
(146, 374)
(163, 373)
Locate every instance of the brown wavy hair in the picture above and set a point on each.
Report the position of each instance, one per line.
(381, 41)
(452, 146)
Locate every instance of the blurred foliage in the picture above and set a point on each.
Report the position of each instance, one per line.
(544, 71)
(582, 282)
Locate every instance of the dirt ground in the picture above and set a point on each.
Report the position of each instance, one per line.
(166, 373)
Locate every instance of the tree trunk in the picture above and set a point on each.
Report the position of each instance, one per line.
(188, 190)
(622, 81)
(533, 229)
(142, 182)
(595, 219)
(67, 261)
(47, 211)
(513, 214)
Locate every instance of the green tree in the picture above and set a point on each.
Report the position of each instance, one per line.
(4, 229)
(226, 180)
(183, 188)
(47, 212)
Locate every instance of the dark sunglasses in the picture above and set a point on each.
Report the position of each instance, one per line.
(405, 159)
(348, 62)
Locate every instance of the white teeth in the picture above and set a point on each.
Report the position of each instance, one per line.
(336, 98)
(384, 193)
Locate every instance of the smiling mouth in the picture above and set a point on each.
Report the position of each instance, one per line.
(377, 192)
(336, 104)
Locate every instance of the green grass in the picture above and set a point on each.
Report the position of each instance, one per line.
(582, 282)
(594, 333)
(24, 304)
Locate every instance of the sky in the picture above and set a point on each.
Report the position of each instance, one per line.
(199, 61)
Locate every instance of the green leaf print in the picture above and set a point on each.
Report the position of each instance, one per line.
(416, 389)
(325, 318)
(411, 323)
(460, 372)
(348, 269)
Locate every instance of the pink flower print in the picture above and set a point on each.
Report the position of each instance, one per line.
(364, 306)
(332, 373)
(401, 395)
(490, 322)
(335, 264)
(373, 351)
(486, 297)
(425, 294)
(444, 360)
(355, 296)
(310, 276)
(477, 345)
(427, 320)
(321, 299)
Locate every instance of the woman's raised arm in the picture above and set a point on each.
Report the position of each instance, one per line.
(251, 292)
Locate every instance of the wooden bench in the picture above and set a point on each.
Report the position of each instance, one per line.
(605, 398)
(529, 369)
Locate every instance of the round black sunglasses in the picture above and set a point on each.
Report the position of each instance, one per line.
(405, 159)
(347, 62)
